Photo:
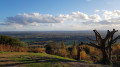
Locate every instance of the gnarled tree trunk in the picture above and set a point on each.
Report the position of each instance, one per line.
(105, 57)
(104, 44)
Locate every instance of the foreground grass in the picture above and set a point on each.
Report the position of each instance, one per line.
(33, 60)
(24, 59)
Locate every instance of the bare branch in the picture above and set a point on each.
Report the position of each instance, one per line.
(115, 30)
(115, 39)
(107, 35)
(91, 39)
(110, 34)
(98, 36)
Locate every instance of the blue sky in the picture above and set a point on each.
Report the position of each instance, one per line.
(47, 15)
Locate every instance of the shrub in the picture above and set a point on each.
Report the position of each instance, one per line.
(8, 40)
(84, 56)
(12, 48)
(38, 50)
(62, 52)
(8, 43)
(52, 48)
(116, 49)
(114, 58)
(95, 58)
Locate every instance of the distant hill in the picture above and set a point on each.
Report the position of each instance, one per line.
(41, 37)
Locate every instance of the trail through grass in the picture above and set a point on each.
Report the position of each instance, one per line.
(24, 59)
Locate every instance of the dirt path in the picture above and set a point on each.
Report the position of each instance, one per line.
(83, 64)
(5, 61)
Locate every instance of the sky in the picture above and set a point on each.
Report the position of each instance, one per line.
(59, 15)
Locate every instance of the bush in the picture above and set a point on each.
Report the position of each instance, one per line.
(52, 48)
(95, 58)
(8, 40)
(114, 58)
(63, 52)
(116, 49)
(8, 43)
(12, 48)
(84, 56)
(37, 50)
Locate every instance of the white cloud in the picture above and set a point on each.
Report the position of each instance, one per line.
(79, 15)
(111, 17)
(35, 18)
(111, 14)
(95, 18)
(75, 19)
(97, 11)
(32, 19)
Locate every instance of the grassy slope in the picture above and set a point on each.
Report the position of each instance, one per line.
(22, 59)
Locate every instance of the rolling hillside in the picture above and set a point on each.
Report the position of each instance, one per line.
(24, 59)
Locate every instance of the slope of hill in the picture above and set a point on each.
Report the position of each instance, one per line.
(24, 59)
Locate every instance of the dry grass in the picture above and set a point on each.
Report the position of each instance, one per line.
(36, 50)
(5, 60)
(10, 48)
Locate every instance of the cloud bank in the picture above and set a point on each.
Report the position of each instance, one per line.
(36, 19)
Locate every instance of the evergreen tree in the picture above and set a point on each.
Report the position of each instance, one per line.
(74, 51)
(63, 50)
(63, 45)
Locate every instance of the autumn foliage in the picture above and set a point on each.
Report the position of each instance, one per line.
(74, 51)
(8, 43)
(36, 50)
(10, 48)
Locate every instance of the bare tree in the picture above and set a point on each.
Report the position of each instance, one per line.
(104, 44)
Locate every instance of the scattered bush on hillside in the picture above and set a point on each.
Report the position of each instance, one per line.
(8, 40)
(8, 43)
(116, 49)
(86, 53)
(84, 56)
(52, 48)
(37, 50)
(92, 53)
(10, 48)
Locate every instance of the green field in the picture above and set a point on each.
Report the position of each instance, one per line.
(24, 59)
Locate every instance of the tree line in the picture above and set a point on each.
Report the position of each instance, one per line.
(101, 46)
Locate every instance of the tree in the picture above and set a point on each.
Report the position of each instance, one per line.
(63, 50)
(52, 48)
(8, 40)
(104, 44)
(63, 45)
(74, 51)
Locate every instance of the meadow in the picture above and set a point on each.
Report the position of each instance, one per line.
(27, 59)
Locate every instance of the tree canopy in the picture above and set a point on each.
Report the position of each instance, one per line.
(8, 40)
